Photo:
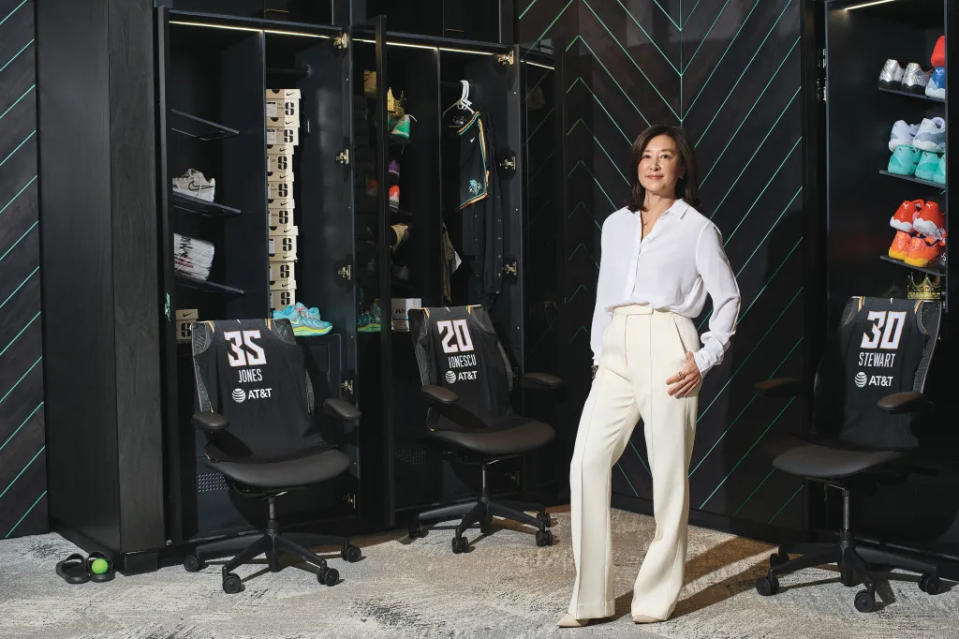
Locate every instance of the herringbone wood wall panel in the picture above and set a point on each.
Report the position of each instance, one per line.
(729, 71)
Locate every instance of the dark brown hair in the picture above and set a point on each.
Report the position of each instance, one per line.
(687, 186)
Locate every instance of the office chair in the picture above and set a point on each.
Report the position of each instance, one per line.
(255, 405)
(466, 381)
(867, 397)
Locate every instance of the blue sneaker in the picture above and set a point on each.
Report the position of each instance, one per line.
(904, 160)
(307, 326)
(937, 84)
(289, 313)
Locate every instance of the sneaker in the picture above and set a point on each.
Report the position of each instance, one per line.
(394, 107)
(939, 177)
(924, 251)
(371, 187)
(928, 165)
(400, 232)
(308, 326)
(900, 245)
(394, 197)
(401, 130)
(904, 160)
(369, 322)
(891, 75)
(914, 79)
(369, 83)
(394, 172)
(903, 217)
(930, 221)
(902, 133)
(288, 313)
(938, 57)
(931, 135)
(937, 84)
(194, 184)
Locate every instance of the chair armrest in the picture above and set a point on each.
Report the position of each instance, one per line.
(779, 387)
(439, 395)
(341, 409)
(541, 381)
(908, 402)
(209, 422)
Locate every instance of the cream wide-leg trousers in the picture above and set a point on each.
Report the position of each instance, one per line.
(642, 347)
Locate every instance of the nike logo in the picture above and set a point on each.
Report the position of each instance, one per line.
(472, 139)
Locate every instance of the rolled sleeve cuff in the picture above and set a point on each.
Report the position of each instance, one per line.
(702, 361)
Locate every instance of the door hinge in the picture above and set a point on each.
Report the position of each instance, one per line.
(345, 272)
(506, 59)
(341, 41)
(347, 387)
(822, 86)
(350, 498)
(508, 163)
(511, 268)
(343, 157)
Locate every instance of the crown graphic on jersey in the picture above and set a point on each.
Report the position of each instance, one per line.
(927, 288)
(474, 187)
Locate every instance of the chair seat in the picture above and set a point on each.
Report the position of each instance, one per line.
(520, 436)
(820, 460)
(311, 468)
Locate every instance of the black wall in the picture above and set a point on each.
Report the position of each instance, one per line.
(729, 71)
(23, 486)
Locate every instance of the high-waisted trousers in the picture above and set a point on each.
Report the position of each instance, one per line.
(642, 348)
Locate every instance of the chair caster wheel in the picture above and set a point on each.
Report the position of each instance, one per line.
(865, 601)
(460, 544)
(417, 530)
(930, 584)
(351, 553)
(328, 576)
(192, 563)
(544, 517)
(778, 558)
(847, 577)
(231, 583)
(767, 586)
(486, 526)
(544, 538)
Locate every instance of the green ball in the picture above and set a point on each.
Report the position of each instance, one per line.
(99, 566)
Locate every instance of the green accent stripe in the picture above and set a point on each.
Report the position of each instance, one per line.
(25, 140)
(550, 25)
(601, 105)
(22, 470)
(17, 336)
(18, 194)
(754, 491)
(679, 27)
(29, 510)
(581, 329)
(772, 227)
(746, 454)
(17, 8)
(705, 37)
(599, 145)
(22, 424)
(18, 240)
(759, 197)
(593, 177)
(19, 286)
(17, 101)
(17, 383)
(756, 152)
(526, 10)
(575, 293)
(626, 477)
(16, 55)
(633, 61)
(649, 37)
(779, 512)
(539, 126)
(640, 458)
(611, 77)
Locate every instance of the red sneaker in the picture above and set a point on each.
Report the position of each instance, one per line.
(938, 57)
(930, 221)
(924, 250)
(900, 245)
(903, 217)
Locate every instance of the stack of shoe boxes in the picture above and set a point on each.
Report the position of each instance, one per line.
(282, 136)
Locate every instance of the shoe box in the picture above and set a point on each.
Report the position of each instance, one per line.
(283, 116)
(184, 319)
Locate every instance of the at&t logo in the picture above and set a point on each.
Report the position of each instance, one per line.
(239, 395)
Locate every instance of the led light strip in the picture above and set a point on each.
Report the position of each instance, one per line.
(867, 4)
(208, 25)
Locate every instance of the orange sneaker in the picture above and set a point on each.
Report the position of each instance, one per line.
(904, 215)
(900, 245)
(924, 250)
(938, 57)
(930, 221)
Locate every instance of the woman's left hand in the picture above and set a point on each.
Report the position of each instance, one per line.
(686, 380)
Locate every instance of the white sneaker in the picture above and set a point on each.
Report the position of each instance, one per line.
(931, 135)
(193, 184)
(891, 75)
(902, 133)
(914, 79)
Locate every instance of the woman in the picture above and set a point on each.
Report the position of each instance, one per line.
(660, 258)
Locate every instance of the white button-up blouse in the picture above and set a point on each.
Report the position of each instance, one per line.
(673, 268)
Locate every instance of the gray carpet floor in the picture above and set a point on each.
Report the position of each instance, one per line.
(504, 587)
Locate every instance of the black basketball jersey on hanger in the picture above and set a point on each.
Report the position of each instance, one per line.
(473, 173)
(457, 348)
(882, 341)
(252, 372)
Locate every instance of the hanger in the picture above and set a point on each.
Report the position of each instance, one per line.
(463, 103)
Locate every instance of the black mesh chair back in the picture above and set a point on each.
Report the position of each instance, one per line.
(252, 372)
(457, 348)
(881, 346)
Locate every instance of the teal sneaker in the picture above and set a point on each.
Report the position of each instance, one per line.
(307, 326)
(939, 177)
(928, 165)
(369, 322)
(400, 131)
(289, 313)
(904, 160)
